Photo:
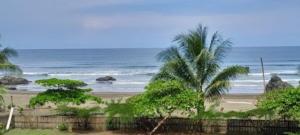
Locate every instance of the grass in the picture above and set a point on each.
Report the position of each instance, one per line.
(36, 132)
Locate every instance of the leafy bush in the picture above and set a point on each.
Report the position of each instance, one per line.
(63, 91)
(161, 99)
(62, 127)
(284, 103)
(78, 96)
(61, 83)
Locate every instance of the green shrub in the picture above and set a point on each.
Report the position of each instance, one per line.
(62, 127)
(283, 103)
(160, 99)
(63, 92)
(60, 83)
(78, 96)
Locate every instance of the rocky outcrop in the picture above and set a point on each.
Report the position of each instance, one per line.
(276, 83)
(11, 88)
(10, 80)
(105, 79)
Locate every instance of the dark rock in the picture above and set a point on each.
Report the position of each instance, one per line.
(9, 80)
(106, 78)
(276, 83)
(11, 88)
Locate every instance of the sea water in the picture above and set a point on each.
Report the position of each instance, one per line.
(133, 68)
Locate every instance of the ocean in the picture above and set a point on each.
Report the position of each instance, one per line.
(133, 68)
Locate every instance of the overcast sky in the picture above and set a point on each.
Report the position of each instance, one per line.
(145, 23)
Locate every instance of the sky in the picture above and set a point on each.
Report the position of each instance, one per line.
(61, 24)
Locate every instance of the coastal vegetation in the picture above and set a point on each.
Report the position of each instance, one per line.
(160, 99)
(5, 65)
(191, 74)
(196, 62)
(65, 92)
(283, 104)
(62, 91)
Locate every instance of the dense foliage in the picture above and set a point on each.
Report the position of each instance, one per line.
(284, 103)
(160, 98)
(7, 67)
(61, 84)
(5, 64)
(63, 91)
(196, 63)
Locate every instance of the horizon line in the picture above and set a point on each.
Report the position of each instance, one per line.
(139, 48)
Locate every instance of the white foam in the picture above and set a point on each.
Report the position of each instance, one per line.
(279, 72)
(235, 102)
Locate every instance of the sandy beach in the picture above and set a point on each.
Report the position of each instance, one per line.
(229, 102)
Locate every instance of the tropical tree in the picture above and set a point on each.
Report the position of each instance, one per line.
(160, 99)
(5, 64)
(196, 62)
(63, 91)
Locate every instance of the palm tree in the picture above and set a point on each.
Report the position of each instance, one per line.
(5, 64)
(196, 63)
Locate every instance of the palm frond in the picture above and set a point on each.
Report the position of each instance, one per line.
(202, 33)
(177, 69)
(214, 40)
(8, 67)
(221, 49)
(181, 71)
(9, 52)
(168, 54)
(193, 42)
(200, 63)
(163, 74)
(217, 89)
(209, 67)
(185, 42)
(224, 76)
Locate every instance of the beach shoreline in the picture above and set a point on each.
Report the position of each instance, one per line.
(228, 102)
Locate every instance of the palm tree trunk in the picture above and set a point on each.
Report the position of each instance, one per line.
(159, 124)
(200, 105)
